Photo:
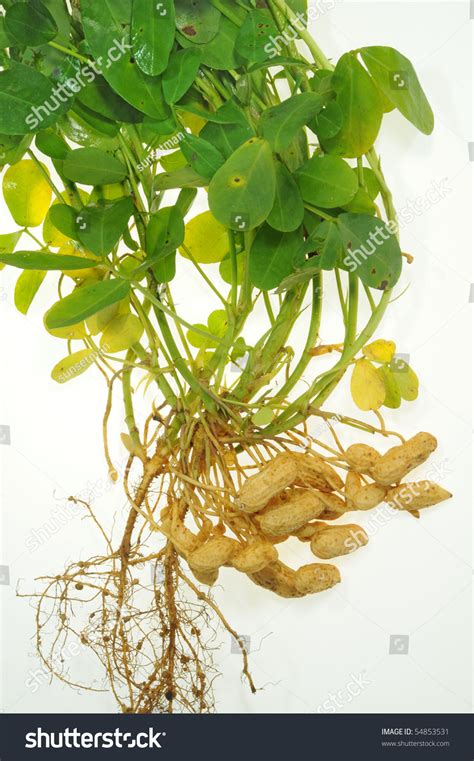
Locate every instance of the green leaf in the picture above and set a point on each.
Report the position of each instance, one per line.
(181, 178)
(274, 255)
(27, 101)
(30, 24)
(361, 203)
(288, 210)
(242, 192)
(180, 74)
(13, 148)
(254, 39)
(91, 166)
(98, 96)
(326, 245)
(263, 417)
(198, 21)
(372, 250)
(328, 122)
(221, 52)
(326, 181)
(164, 235)
(107, 32)
(86, 301)
(51, 144)
(100, 228)
(361, 108)
(393, 397)
(405, 378)
(26, 288)
(227, 129)
(153, 30)
(63, 218)
(395, 76)
(281, 123)
(31, 260)
(226, 137)
(204, 158)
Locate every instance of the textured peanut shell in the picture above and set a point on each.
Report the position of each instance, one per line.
(369, 496)
(336, 541)
(352, 485)
(314, 472)
(278, 578)
(316, 577)
(183, 539)
(208, 578)
(333, 503)
(400, 460)
(361, 457)
(295, 513)
(255, 557)
(413, 496)
(306, 533)
(213, 554)
(260, 488)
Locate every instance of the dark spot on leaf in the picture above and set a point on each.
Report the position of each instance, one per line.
(373, 271)
(383, 285)
(189, 30)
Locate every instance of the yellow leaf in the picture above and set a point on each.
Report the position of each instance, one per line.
(26, 289)
(97, 323)
(121, 333)
(206, 239)
(74, 365)
(27, 193)
(71, 249)
(193, 122)
(71, 333)
(367, 387)
(380, 351)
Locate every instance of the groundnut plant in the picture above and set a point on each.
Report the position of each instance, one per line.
(116, 120)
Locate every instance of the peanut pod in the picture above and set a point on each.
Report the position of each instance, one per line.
(334, 541)
(213, 554)
(369, 496)
(259, 489)
(316, 577)
(412, 496)
(208, 578)
(361, 457)
(301, 508)
(255, 557)
(314, 472)
(400, 460)
(278, 578)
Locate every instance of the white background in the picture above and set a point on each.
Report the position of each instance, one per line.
(414, 577)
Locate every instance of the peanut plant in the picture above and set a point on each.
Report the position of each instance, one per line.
(116, 118)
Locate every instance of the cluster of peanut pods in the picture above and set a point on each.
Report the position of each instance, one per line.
(294, 495)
